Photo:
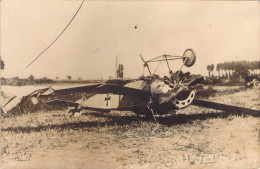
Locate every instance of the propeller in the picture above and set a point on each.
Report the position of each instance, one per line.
(145, 64)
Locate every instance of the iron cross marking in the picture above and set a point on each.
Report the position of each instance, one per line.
(107, 99)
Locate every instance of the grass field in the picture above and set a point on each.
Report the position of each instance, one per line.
(194, 138)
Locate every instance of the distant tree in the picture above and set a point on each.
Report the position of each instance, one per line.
(2, 64)
(79, 78)
(224, 67)
(44, 80)
(218, 69)
(210, 68)
(31, 78)
(16, 78)
(3, 81)
(16, 81)
(236, 69)
(57, 78)
(69, 77)
(228, 67)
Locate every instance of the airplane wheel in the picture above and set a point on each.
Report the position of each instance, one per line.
(257, 84)
(190, 56)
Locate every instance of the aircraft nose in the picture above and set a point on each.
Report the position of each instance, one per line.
(183, 99)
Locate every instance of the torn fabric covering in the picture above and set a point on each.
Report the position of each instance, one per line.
(11, 96)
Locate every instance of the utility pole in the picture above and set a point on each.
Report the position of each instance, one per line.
(116, 67)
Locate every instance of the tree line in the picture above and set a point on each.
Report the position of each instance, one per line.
(16, 81)
(31, 80)
(233, 69)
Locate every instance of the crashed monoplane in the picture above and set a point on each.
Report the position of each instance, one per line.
(150, 95)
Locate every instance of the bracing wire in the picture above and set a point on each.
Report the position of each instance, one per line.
(157, 67)
(57, 36)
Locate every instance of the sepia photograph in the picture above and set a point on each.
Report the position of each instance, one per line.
(132, 84)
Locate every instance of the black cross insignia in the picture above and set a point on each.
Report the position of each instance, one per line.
(107, 99)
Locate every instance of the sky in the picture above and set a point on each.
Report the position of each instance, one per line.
(217, 31)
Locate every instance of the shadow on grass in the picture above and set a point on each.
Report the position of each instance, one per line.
(115, 120)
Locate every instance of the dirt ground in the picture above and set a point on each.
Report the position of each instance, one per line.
(194, 138)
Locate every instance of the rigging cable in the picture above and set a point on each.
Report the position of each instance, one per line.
(157, 67)
(57, 36)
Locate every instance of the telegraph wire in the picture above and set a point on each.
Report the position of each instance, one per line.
(53, 41)
(57, 36)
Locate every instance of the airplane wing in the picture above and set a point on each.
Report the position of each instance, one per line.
(36, 99)
(97, 89)
(105, 97)
(224, 107)
(107, 88)
(62, 103)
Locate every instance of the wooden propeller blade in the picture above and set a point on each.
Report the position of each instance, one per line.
(145, 64)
